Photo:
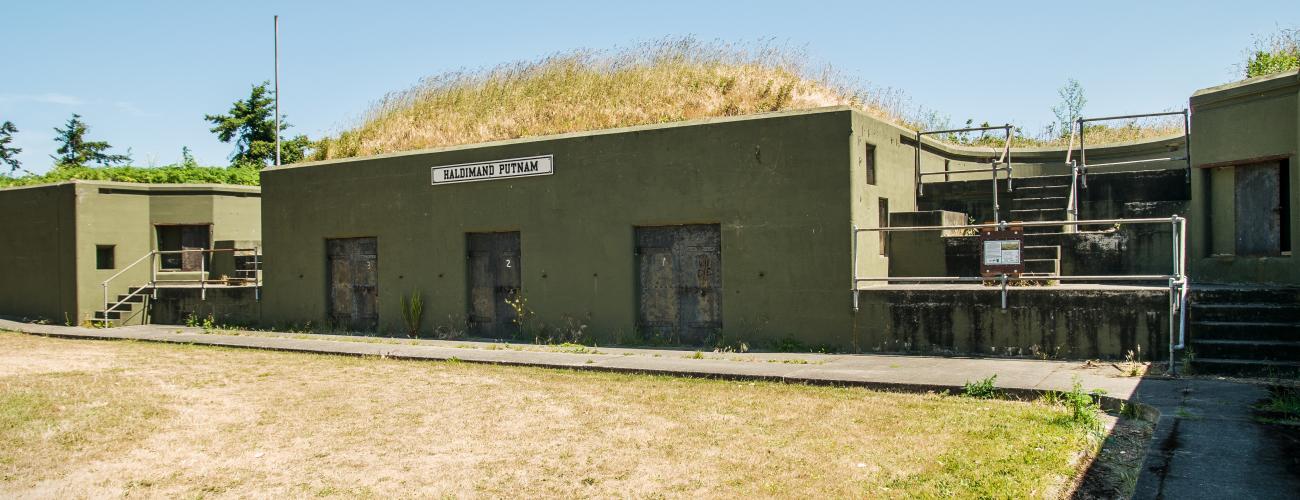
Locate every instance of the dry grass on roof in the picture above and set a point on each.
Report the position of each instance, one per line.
(663, 81)
(657, 82)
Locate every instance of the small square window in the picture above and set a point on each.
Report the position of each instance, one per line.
(871, 164)
(104, 257)
(884, 222)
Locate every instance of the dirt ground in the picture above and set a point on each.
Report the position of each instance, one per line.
(91, 419)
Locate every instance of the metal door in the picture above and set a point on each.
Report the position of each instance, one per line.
(679, 274)
(194, 238)
(494, 278)
(1258, 207)
(183, 237)
(354, 283)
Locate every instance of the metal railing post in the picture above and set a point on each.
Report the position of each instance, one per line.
(203, 280)
(1187, 141)
(153, 274)
(920, 190)
(1083, 157)
(994, 171)
(1004, 292)
(1006, 157)
(1173, 368)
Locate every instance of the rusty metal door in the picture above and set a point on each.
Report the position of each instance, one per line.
(1258, 206)
(194, 238)
(679, 274)
(354, 283)
(183, 237)
(494, 278)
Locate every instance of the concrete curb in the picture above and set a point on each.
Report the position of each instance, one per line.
(604, 362)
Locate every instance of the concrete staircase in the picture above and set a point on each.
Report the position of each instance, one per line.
(1039, 199)
(124, 306)
(1245, 330)
(248, 269)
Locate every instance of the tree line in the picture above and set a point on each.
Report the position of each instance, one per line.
(249, 125)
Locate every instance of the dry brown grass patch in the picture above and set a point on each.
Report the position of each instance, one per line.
(258, 423)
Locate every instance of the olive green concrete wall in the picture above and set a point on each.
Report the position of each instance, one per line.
(1238, 123)
(37, 261)
(780, 186)
(895, 181)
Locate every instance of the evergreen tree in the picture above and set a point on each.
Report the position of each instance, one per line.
(75, 150)
(250, 125)
(187, 157)
(8, 154)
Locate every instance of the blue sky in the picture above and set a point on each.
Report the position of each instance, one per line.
(143, 74)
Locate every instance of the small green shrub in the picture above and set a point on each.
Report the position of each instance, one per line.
(1283, 405)
(412, 313)
(1275, 53)
(981, 389)
(1084, 409)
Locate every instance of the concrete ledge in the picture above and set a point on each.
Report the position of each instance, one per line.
(1019, 378)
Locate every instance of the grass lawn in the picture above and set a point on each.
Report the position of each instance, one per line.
(89, 418)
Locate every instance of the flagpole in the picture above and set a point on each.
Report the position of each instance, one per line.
(277, 90)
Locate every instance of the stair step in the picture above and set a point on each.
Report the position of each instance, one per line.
(137, 298)
(1043, 266)
(1245, 367)
(1251, 350)
(120, 306)
(1044, 202)
(1268, 313)
(1246, 294)
(1042, 252)
(1244, 330)
(1042, 180)
(102, 315)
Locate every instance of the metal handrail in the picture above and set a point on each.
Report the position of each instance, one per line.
(1005, 224)
(154, 270)
(1177, 281)
(1005, 159)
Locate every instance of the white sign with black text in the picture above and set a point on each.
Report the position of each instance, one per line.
(1001, 252)
(492, 170)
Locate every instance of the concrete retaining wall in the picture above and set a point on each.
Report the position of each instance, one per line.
(1044, 322)
(226, 306)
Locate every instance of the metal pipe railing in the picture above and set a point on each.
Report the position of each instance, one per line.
(967, 170)
(1131, 162)
(1005, 224)
(1126, 117)
(1005, 159)
(155, 267)
(1083, 150)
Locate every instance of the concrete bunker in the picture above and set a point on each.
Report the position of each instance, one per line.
(123, 253)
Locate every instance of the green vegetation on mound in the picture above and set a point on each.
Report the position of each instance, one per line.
(170, 174)
(1274, 53)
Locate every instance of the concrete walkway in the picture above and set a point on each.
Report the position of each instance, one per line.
(1206, 443)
